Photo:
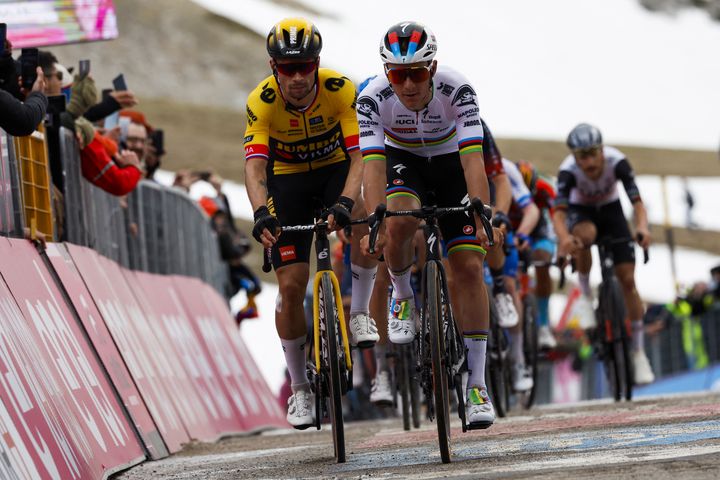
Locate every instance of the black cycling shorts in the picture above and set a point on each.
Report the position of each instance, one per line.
(295, 199)
(440, 179)
(610, 222)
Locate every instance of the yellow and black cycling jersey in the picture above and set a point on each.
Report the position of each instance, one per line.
(295, 140)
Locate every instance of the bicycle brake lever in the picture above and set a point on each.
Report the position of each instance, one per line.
(267, 265)
(485, 213)
(374, 222)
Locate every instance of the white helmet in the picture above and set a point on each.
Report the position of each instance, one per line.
(408, 42)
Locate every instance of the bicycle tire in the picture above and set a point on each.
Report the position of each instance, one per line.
(621, 343)
(608, 309)
(403, 385)
(333, 365)
(530, 346)
(495, 365)
(433, 312)
(414, 385)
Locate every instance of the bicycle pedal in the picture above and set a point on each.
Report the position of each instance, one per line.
(365, 344)
(479, 425)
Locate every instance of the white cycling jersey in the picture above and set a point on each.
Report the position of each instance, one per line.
(449, 123)
(576, 188)
(520, 193)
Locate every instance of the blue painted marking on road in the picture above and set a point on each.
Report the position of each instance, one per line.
(466, 447)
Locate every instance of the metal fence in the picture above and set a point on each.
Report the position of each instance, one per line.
(155, 229)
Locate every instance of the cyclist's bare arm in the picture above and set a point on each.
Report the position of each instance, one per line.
(477, 185)
(530, 219)
(256, 182)
(355, 176)
(624, 173)
(503, 193)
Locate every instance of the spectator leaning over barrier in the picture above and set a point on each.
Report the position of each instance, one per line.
(16, 117)
(118, 177)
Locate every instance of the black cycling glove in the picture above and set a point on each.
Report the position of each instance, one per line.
(341, 211)
(500, 218)
(263, 220)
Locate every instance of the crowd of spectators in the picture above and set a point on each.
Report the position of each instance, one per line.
(117, 146)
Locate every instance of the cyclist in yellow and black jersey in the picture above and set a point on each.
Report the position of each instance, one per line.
(301, 149)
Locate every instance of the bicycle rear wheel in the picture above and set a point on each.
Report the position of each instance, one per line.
(334, 365)
(530, 346)
(433, 312)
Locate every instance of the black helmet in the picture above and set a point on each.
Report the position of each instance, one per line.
(584, 136)
(294, 39)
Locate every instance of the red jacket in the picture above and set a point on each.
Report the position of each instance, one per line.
(100, 170)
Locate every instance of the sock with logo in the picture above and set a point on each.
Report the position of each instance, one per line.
(296, 362)
(476, 344)
(363, 280)
(401, 283)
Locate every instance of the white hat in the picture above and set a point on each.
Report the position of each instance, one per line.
(67, 78)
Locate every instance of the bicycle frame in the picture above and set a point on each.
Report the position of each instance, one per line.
(322, 251)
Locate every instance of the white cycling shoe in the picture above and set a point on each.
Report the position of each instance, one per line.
(522, 380)
(546, 339)
(401, 320)
(507, 315)
(381, 390)
(479, 412)
(643, 371)
(363, 332)
(301, 409)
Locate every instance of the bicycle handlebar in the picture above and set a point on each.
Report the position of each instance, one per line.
(427, 212)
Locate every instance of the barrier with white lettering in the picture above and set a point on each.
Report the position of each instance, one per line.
(213, 323)
(136, 340)
(206, 408)
(107, 350)
(59, 415)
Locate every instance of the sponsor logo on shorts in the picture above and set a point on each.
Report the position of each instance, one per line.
(398, 181)
(287, 253)
(468, 229)
(294, 122)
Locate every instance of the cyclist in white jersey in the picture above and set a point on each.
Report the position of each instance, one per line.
(587, 208)
(421, 137)
(523, 207)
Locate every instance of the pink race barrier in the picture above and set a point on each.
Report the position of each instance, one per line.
(213, 323)
(136, 339)
(59, 416)
(107, 351)
(208, 410)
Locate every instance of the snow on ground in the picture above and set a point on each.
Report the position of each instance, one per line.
(541, 67)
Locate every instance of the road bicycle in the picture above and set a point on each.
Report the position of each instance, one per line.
(610, 338)
(331, 372)
(441, 349)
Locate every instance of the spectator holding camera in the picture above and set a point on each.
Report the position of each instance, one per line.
(19, 118)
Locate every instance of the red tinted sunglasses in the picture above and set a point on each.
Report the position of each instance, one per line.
(416, 74)
(290, 69)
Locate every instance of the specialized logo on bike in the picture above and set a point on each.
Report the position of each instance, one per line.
(431, 241)
(287, 253)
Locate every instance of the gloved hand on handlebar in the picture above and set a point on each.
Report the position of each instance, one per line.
(339, 214)
(264, 220)
(499, 219)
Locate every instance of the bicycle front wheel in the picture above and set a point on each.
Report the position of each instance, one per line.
(335, 368)
(530, 346)
(434, 319)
